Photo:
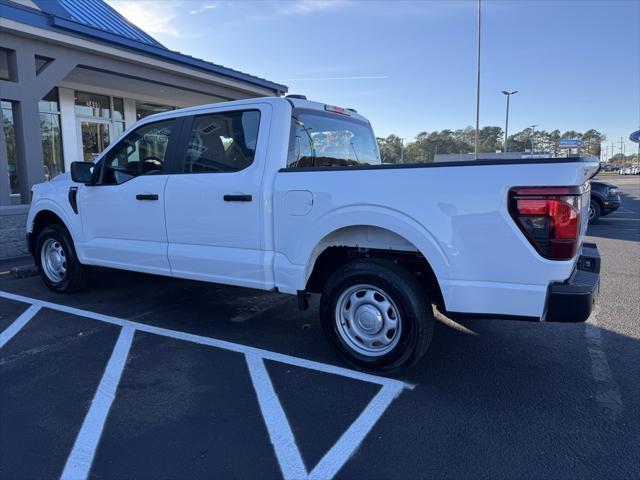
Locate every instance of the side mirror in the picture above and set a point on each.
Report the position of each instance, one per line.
(82, 172)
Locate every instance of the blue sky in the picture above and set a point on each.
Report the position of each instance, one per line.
(409, 66)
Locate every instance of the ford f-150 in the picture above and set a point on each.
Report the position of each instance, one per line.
(290, 195)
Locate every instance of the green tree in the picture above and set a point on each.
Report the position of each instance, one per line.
(390, 149)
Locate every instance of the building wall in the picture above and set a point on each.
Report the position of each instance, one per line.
(12, 231)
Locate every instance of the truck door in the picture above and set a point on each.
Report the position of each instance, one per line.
(214, 207)
(123, 214)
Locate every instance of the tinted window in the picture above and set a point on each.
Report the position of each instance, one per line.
(330, 140)
(141, 152)
(222, 142)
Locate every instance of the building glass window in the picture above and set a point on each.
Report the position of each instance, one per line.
(101, 119)
(118, 116)
(49, 102)
(144, 109)
(92, 105)
(10, 139)
(49, 108)
(118, 128)
(118, 109)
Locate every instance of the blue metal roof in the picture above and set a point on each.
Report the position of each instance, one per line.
(98, 14)
(97, 20)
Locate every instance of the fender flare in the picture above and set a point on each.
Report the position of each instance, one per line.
(371, 216)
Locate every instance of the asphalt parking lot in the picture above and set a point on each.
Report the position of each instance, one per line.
(147, 377)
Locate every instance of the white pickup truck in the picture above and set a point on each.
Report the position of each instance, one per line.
(290, 195)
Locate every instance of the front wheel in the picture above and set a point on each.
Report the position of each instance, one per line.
(57, 261)
(376, 315)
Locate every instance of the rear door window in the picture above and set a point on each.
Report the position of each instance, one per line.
(321, 139)
(222, 142)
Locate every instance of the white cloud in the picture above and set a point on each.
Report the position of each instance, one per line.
(305, 7)
(265, 11)
(152, 17)
(203, 8)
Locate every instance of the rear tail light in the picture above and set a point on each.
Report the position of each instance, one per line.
(550, 218)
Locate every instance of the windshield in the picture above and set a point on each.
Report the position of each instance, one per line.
(321, 139)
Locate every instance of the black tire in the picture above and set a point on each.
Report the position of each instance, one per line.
(76, 275)
(595, 211)
(407, 294)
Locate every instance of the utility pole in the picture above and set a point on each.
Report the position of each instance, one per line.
(402, 150)
(506, 123)
(478, 88)
(533, 132)
(622, 148)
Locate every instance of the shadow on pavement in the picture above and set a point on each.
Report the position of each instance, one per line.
(623, 224)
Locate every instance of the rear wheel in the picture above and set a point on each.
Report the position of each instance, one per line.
(595, 211)
(376, 315)
(57, 261)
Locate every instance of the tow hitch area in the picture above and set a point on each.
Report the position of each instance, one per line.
(573, 300)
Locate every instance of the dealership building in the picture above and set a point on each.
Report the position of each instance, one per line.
(74, 74)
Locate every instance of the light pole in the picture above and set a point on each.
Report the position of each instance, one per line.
(506, 123)
(533, 132)
(478, 89)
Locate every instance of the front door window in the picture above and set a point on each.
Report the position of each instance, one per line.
(141, 152)
(95, 137)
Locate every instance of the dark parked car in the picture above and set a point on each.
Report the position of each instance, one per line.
(605, 198)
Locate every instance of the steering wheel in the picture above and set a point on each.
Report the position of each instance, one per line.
(151, 161)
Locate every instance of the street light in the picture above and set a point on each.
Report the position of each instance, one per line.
(533, 131)
(506, 123)
(477, 140)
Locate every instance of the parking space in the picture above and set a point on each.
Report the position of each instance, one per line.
(146, 377)
(165, 379)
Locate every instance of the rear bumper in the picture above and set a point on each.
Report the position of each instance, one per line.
(573, 300)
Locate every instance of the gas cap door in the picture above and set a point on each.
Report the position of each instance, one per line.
(298, 202)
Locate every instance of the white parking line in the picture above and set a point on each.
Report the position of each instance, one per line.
(335, 458)
(79, 463)
(81, 457)
(234, 347)
(284, 443)
(17, 325)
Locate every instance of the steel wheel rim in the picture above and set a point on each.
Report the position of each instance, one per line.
(368, 320)
(591, 211)
(53, 260)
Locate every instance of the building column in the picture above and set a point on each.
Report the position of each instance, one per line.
(28, 147)
(68, 127)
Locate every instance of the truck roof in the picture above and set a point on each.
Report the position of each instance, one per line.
(295, 102)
